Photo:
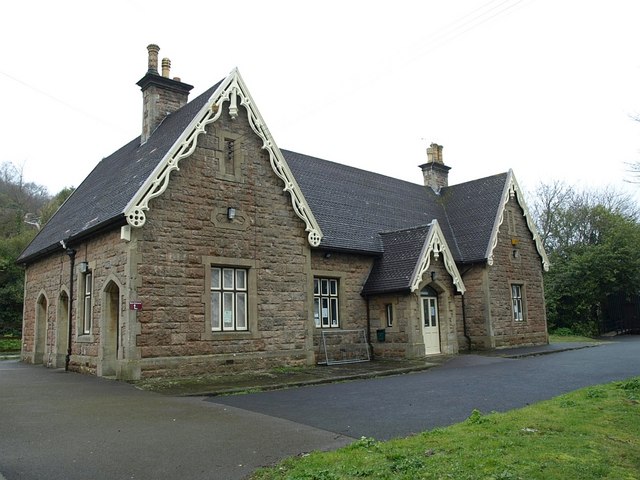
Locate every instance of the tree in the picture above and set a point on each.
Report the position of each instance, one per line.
(12, 282)
(591, 238)
(24, 206)
(48, 210)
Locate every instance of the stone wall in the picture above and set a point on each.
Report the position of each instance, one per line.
(516, 261)
(187, 232)
(49, 278)
(476, 308)
(404, 338)
(488, 303)
(351, 271)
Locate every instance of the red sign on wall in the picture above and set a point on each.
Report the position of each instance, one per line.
(135, 305)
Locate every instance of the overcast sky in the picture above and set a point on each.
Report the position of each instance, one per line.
(548, 88)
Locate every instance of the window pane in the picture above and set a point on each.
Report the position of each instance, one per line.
(227, 279)
(215, 311)
(334, 312)
(425, 309)
(325, 312)
(515, 291)
(316, 286)
(333, 287)
(241, 279)
(241, 311)
(389, 315)
(434, 312)
(215, 278)
(316, 311)
(87, 284)
(517, 309)
(227, 310)
(324, 287)
(87, 315)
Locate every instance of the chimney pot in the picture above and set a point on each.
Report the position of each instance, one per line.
(166, 67)
(161, 95)
(153, 50)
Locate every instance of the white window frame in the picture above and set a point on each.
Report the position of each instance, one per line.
(389, 313)
(229, 292)
(517, 302)
(326, 305)
(87, 316)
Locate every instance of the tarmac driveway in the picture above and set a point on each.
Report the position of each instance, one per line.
(58, 425)
(389, 407)
(66, 426)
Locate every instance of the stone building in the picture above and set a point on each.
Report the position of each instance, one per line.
(201, 246)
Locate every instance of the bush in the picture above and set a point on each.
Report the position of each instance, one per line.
(562, 332)
(585, 329)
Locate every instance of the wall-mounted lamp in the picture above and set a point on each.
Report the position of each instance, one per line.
(231, 213)
(84, 267)
(433, 276)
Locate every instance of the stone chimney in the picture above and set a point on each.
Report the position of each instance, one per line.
(435, 172)
(161, 95)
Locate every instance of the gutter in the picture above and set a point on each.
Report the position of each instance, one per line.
(113, 222)
(369, 329)
(464, 314)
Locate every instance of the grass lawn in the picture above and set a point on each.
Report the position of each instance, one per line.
(10, 345)
(570, 338)
(593, 433)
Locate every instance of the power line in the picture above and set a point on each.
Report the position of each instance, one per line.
(60, 101)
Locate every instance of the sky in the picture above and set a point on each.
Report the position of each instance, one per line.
(547, 88)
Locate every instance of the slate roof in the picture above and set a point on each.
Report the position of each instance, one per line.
(393, 271)
(100, 200)
(353, 207)
(357, 210)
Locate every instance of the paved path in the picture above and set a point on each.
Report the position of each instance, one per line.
(58, 425)
(384, 408)
(67, 426)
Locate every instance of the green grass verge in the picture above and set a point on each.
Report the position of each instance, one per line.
(570, 338)
(10, 345)
(593, 433)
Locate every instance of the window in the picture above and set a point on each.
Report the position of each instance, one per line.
(229, 155)
(86, 309)
(389, 309)
(511, 222)
(229, 299)
(325, 302)
(516, 300)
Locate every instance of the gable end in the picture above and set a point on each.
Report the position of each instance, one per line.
(436, 244)
(232, 88)
(511, 190)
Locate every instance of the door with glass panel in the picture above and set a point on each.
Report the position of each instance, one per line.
(430, 324)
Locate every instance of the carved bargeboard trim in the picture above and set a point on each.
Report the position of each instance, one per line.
(511, 190)
(232, 88)
(435, 243)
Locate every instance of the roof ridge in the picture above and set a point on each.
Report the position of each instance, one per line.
(351, 167)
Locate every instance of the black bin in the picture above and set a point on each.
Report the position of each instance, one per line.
(381, 334)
